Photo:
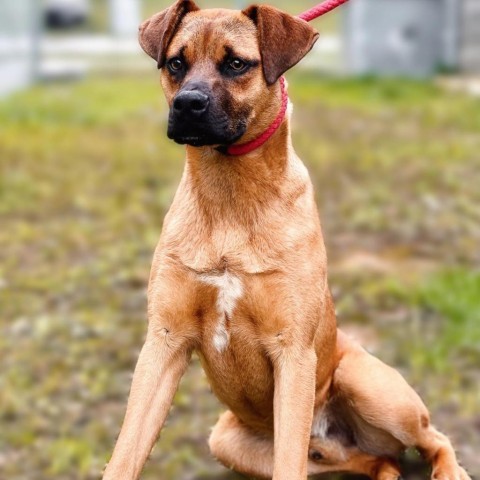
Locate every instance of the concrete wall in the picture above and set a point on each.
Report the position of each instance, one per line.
(402, 37)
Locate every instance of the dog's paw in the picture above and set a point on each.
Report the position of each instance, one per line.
(388, 470)
(454, 473)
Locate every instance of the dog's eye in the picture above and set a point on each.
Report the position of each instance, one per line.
(175, 64)
(237, 64)
(315, 455)
(233, 67)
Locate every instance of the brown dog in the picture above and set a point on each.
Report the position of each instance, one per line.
(240, 276)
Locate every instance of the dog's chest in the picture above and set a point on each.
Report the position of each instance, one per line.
(229, 290)
(237, 368)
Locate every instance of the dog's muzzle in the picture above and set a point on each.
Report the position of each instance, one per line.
(197, 119)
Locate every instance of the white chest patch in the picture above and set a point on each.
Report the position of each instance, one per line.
(229, 291)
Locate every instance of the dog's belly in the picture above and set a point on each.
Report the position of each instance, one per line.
(241, 376)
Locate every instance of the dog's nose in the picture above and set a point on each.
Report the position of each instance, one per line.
(191, 102)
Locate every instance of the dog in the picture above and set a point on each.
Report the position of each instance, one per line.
(240, 274)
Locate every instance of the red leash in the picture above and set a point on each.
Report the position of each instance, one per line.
(248, 147)
(321, 9)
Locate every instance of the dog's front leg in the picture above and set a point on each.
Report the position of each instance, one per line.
(161, 364)
(294, 371)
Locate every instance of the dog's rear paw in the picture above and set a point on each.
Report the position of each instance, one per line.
(455, 473)
(388, 470)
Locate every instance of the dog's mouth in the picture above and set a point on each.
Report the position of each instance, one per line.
(193, 141)
(207, 139)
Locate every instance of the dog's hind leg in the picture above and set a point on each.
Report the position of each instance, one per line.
(239, 448)
(386, 413)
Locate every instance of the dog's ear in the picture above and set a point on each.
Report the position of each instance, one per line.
(284, 39)
(156, 33)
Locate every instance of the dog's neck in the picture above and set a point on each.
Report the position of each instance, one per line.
(239, 185)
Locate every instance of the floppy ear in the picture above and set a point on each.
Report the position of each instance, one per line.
(156, 33)
(284, 39)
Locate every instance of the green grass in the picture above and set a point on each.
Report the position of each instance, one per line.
(433, 106)
(102, 102)
(453, 296)
(86, 176)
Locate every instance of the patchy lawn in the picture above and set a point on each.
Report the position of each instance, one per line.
(86, 176)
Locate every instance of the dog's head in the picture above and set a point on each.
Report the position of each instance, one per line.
(218, 66)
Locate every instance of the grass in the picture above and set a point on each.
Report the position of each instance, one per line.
(453, 296)
(86, 176)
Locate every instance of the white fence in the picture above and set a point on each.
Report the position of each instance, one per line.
(18, 46)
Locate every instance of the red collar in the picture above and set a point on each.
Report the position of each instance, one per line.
(248, 147)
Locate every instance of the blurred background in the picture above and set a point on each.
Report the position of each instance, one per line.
(387, 119)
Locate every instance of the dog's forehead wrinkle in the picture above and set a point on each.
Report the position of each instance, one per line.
(200, 28)
(178, 53)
